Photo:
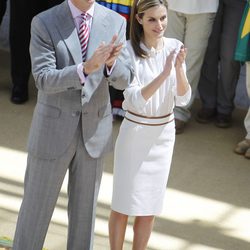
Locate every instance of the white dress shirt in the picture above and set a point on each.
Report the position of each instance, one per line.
(76, 14)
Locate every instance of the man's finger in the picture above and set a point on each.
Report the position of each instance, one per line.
(113, 39)
(118, 47)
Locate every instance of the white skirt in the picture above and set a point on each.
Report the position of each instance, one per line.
(142, 160)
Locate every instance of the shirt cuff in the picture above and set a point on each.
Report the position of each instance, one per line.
(80, 73)
(109, 71)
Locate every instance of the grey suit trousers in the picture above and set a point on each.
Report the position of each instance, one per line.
(220, 72)
(43, 181)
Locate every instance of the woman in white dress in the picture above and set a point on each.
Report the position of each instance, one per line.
(144, 146)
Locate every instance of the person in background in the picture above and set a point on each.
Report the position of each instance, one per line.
(220, 72)
(123, 7)
(144, 146)
(75, 58)
(242, 54)
(191, 22)
(243, 147)
(3, 4)
(21, 13)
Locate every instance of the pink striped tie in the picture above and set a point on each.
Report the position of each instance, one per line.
(84, 35)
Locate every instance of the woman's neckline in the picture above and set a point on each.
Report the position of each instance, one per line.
(152, 49)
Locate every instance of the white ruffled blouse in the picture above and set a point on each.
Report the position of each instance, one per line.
(165, 98)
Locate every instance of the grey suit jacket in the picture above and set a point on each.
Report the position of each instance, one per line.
(55, 53)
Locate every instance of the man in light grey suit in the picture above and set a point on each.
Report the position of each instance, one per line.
(72, 122)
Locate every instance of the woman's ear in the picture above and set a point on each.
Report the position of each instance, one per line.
(138, 19)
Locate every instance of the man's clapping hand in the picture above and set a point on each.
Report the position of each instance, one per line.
(104, 54)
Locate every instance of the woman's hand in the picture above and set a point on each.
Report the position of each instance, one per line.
(181, 56)
(169, 64)
(182, 81)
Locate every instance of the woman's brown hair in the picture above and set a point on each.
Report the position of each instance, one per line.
(136, 30)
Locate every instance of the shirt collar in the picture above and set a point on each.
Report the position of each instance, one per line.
(76, 12)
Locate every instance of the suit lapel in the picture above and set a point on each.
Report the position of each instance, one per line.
(99, 23)
(68, 32)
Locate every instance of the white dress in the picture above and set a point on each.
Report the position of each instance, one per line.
(143, 153)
